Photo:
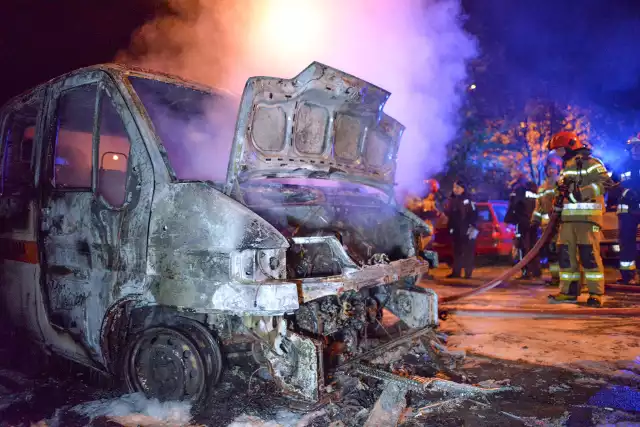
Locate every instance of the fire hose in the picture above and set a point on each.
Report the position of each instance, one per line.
(542, 312)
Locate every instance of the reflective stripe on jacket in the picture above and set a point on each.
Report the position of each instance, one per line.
(588, 177)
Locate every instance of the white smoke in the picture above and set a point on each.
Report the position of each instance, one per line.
(132, 410)
(416, 49)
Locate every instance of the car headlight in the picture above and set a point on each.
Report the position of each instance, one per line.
(257, 265)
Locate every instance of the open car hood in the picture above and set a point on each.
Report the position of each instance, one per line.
(323, 123)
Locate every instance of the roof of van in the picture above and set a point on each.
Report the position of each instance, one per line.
(122, 69)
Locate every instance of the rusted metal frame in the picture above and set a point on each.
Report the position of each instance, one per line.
(365, 277)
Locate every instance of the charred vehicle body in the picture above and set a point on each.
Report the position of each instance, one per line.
(121, 252)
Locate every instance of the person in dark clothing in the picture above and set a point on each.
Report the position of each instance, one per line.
(462, 214)
(522, 204)
(629, 213)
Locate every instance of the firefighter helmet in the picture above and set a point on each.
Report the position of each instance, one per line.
(432, 185)
(567, 140)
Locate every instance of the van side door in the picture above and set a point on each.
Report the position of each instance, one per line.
(96, 206)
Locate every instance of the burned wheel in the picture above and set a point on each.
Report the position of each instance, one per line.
(178, 362)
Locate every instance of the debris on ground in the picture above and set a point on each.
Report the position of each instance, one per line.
(428, 380)
(388, 408)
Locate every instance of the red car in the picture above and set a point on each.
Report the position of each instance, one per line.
(495, 239)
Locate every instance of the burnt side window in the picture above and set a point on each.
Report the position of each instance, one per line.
(74, 138)
(114, 146)
(19, 156)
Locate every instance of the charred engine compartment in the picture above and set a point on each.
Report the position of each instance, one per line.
(341, 320)
(367, 228)
(328, 315)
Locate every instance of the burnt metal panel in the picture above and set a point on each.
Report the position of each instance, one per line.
(322, 123)
(94, 253)
(195, 233)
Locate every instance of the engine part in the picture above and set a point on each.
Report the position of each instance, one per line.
(298, 369)
(417, 307)
(331, 314)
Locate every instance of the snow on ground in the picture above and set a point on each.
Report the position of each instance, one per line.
(606, 345)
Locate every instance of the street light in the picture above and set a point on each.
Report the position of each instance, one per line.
(472, 87)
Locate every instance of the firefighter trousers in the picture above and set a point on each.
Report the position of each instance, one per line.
(580, 241)
(627, 228)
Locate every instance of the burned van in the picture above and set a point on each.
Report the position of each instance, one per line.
(147, 237)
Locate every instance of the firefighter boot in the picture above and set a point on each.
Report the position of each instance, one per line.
(594, 301)
(570, 298)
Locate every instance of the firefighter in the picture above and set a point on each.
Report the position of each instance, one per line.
(430, 211)
(541, 214)
(463, 215)
(629, 213)
(522, 203)
(583, 182)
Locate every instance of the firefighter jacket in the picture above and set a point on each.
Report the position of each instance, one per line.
(587, 181)
(462, 214)
(522, 203)
(629, 189)
(544, 202)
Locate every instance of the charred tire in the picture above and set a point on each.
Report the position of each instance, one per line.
(177, 361)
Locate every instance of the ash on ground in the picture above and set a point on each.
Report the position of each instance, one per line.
(529, 395)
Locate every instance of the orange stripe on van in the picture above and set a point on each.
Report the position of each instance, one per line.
(19, 250)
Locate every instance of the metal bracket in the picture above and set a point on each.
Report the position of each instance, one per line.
(417, 307)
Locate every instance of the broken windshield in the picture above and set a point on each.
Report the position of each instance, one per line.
(195, 127)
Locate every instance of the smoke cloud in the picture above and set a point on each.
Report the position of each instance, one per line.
(416, 49)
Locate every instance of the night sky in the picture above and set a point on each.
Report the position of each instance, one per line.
(41, 39)
(582, 51)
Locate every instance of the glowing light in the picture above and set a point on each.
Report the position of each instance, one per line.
(115, 157)
(472, 87)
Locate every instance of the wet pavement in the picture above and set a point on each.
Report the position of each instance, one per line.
(558, 372)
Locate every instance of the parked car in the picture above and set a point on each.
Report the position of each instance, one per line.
(495, 239)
